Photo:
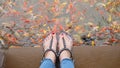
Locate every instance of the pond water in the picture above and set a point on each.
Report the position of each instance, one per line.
(89, 22)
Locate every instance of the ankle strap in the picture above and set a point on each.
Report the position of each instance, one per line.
(59, 53)
(48, 51)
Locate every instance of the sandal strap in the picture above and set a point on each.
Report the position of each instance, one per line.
(66, 50)
(64, 43)
(59, 53)
(48, 51)
(51, 43)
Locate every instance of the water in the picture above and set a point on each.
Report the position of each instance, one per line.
(33, 18)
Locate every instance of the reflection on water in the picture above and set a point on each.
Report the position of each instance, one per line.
(90, 22)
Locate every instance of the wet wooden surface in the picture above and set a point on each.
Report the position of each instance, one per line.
(84, 56)
(1, 58)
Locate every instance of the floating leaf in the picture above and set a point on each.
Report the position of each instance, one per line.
(17, 35)
(44, 31)
(77, 28)
(2, 41)
(63, 4)
(93, 43)
(100, 5)
(86, 0)
(26, 34)
(109, 18)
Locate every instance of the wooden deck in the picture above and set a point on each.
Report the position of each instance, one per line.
(84, 56)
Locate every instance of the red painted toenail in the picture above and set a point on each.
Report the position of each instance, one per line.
(53, 33)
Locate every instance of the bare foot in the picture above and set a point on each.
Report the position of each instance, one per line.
(46, 45)
(68, 43)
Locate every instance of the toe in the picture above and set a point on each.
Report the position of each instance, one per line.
(47, 39)
(60, 37)
(54, 36)
(66, 37)
(61, 41)
(54, 44)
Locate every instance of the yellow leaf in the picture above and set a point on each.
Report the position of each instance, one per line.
(89, 34)
(30, 12)
(41, 16)
(108, 3)
(48, 28)
(109, 18)
(101, 4)
(81, 18)
(2, 41)
(81, 42)
(56, 1)
(26, 34)
(112, 10)
(77, 28)
(36, 26)
(44, 24)
(63, 4)
(85, 0)
(93, 43)
(67, 20)
(90, 23)
(44, 31)
(38, 35)
(17, 34)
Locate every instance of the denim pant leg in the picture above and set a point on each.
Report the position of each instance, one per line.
(67, 63)
(47, 63)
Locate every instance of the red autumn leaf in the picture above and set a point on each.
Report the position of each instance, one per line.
(19, 30)
(8, 35)
(11, 38)
(111, 40)
(80, 0)
(79, 13)
(92, 2)
(44, 36)
(61, 27)
(40, 40)
(41, 1)
(84, 11)
(15, 12)
(25, 5)
(46, 18)
(53, 9)
(26, 20)
(70, 6)
(33, 40)
(101, 12)
(30, 8)
(54, 30)
(56, 1)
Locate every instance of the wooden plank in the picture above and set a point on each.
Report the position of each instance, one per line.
(2, 57)
(84, 56)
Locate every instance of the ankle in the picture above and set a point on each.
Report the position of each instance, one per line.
(65, 54)
(50, 55)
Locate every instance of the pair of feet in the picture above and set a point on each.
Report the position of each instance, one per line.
(65, 41)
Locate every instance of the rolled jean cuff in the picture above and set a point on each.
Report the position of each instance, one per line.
(67, 63)
(47, 63)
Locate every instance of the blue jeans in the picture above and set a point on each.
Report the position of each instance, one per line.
(65, 63)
